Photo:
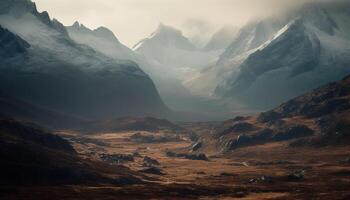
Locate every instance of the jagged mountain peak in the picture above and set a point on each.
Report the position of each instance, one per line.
(17, 7)
(80, 27)
(76, 24)
(165, 36)
(251, 36)
(280, 57)
(20, 8)
(313, 40)
(105, 32)
(101, 31)
(63, 66)
(165, 29)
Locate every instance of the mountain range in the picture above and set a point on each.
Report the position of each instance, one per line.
(42, 64)
(256, 67)
(277, 58)
(80, 111)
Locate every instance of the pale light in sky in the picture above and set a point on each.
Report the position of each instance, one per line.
(133, 20)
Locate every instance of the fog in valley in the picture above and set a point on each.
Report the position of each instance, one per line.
(174, 99)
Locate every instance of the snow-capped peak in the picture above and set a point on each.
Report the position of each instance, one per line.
(166, 36)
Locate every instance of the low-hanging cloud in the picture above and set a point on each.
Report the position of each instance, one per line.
(132, 20)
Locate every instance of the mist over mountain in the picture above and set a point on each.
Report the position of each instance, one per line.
(258, 66)
(222, 38)
(278, 58)
(101, 39)
(173, 58)
(44, 66)
(170, 49)
(184, 114)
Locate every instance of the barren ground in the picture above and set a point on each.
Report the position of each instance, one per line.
(231, 176)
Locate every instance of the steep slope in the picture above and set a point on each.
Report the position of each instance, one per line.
(57, 73)
(318, 118)
(250, 37)
(247, 39)
(173, 58)
(102, 40)
(221, 39)
(311, 50)
(281, 57)
(165, 36)
(172, 52)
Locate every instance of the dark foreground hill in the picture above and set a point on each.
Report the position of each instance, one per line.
(30, 156)
(318, 118)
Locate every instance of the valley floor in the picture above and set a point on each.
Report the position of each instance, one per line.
(267, 171)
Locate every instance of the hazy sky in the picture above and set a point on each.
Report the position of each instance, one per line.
(132, 20)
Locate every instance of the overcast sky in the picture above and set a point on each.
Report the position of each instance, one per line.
(132, 20)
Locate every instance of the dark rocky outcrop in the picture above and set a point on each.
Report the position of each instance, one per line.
(330, 99)
(150, 162)
(267, 135)
(269, 116)
(200, 156)
(294, 132)
(262, 179)
(239, 127)
(196, 146)
(260, 137)
(136, 154)
(117, 158)
(152, 170)
(171, 154)
(296, 176)
(318, 118)
(241, 141)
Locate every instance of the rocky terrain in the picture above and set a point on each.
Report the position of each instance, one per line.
(33, 156)
(299, 150)
(80, 119)
(318, 118)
